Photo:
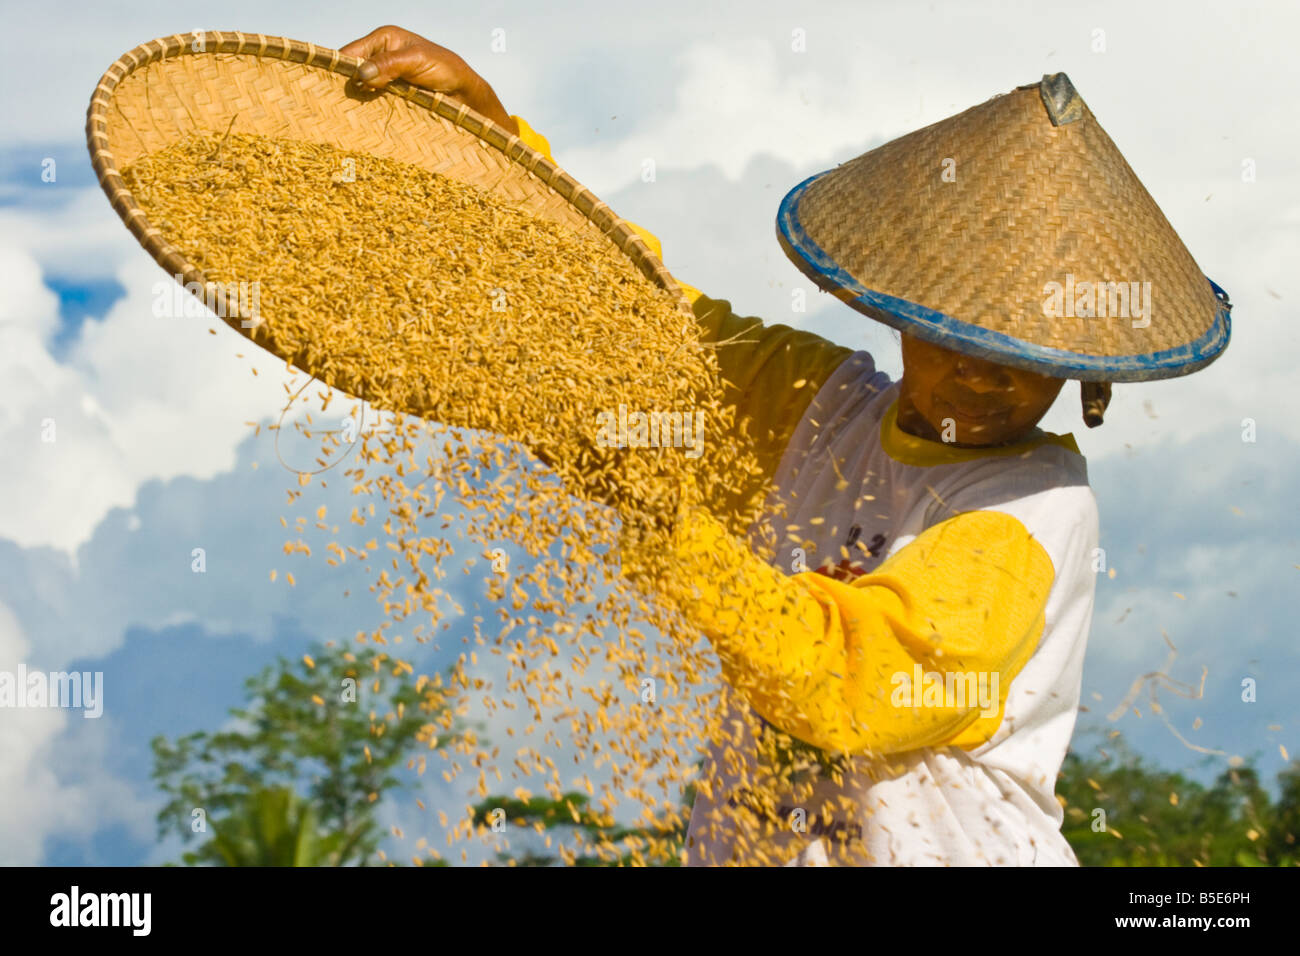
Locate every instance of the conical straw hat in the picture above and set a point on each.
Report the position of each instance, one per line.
(997, 231)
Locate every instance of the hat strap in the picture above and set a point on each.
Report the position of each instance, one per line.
(1095, 397)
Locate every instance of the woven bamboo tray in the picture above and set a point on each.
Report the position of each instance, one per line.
(219, 82)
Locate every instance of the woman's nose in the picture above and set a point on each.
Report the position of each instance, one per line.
(975, 372)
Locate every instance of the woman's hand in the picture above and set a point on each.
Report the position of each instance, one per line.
(391, 53)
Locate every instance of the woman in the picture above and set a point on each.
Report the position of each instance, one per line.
(925, 626)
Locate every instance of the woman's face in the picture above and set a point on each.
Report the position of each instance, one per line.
(947, 396)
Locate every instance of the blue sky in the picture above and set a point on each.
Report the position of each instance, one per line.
(153, 457)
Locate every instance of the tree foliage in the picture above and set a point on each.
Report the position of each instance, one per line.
(300, 774)
(1120, 811)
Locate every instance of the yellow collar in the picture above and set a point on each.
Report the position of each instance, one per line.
(911, 450)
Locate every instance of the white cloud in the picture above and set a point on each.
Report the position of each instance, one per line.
(138, 398)
(72, 231)
(34, 803)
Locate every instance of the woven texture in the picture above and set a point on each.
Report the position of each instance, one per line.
(212, 82)
(1029, 204)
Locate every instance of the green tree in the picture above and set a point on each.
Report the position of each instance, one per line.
(318, 743)
(1283, 838)
(1154, 817)
(271, 828)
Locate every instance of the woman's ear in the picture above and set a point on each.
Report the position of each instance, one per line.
(1095, 397)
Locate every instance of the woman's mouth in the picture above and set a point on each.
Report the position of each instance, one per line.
(970, 413)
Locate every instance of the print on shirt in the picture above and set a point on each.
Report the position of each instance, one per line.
(848, 569)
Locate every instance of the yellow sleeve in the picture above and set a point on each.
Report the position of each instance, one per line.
(760, 364)
(835, 664)
(771, 373)
(533, 138)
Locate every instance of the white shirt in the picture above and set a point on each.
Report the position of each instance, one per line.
(994, 805)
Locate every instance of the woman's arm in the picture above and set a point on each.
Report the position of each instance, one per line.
(771, 373)
(834, 663)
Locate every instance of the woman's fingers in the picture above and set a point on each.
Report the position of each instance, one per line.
(373, 42)
(415, 64)
(391, 53)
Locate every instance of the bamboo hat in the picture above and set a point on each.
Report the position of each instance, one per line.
(1014, 231)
